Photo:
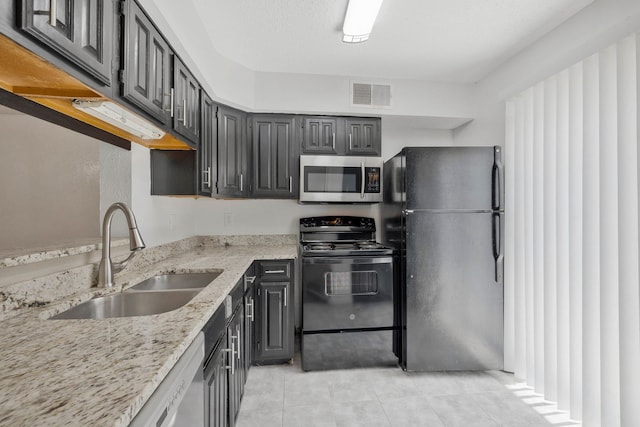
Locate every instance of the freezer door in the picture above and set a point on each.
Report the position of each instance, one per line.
(453, 178)
(454, 291)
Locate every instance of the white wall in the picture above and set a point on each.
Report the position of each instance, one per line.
(591, 385)
(164, 219)
(50, 183)
(596, 26)
(184, 27)
(282, 92)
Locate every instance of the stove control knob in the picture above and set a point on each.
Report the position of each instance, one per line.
(352, 316)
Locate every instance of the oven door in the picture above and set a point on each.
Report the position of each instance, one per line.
(341, 293)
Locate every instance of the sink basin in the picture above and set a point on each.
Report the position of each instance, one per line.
(167, 282)
(129, 304)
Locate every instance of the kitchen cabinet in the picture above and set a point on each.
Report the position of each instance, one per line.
(275, 156)
(186, 99)
(173, 172)
(217, 387)
(341, 135)
(274, 311)
(233, 153)
(237, 373)
(249, 317)
(319, 135)
(79, 30)
(363, 136)
(146, 73)
(207, 148)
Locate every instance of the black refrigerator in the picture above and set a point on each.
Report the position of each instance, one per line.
(443, 210)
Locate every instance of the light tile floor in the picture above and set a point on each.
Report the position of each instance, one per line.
(286, 396)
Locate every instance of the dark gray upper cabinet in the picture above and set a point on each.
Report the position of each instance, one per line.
(358, 136)
(186, 99)
(146, 74)
(79, 30)
(274, 308)
(363, 136)
(233, 179)
(207, 148)
(319, 135)
(275, 156)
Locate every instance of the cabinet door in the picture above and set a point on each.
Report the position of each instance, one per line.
(232, 152)
(319, 135)
(207, 148)
(146, 76)
(79, 30)
(236, 374)
(274, 338)
(218, 391)
(186, 99)
(275, 156)
(363, 136)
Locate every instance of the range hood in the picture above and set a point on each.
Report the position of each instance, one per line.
(27, 75)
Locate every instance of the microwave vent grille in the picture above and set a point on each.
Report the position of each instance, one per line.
(370, 95)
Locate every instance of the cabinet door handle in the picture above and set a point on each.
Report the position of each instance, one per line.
(274, 272)
(250, 315)
(350, 142)
(249, 279)
(170, 110)
(207, 173)
(239, 341)
(184, 113)
(333, 144)
(285, 296)
(53, 12)
(241, 183)
(290, 184)
(232, 352)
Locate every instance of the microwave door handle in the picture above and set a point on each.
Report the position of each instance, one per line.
(363, 174)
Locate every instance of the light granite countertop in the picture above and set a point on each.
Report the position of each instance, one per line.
(101, 372)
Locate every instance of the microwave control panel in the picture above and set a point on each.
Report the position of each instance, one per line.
(372, 181)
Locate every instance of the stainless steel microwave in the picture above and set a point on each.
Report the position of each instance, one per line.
(341, 179)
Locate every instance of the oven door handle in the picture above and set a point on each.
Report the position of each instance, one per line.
(348, 260)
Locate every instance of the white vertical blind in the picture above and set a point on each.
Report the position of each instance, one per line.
(572, 318)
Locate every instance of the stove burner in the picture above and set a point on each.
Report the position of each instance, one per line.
(320, 246)
(369, 245)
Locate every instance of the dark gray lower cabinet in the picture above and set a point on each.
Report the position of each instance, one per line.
(236, 373)
(274, 329)
(217, 388)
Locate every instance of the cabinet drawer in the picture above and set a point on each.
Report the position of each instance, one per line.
(274, 270)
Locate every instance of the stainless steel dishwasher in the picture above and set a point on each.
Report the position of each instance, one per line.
(179, 399)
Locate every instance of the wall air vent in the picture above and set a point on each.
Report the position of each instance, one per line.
(370, 95)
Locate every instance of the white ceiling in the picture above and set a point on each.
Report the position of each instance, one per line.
(435, 40)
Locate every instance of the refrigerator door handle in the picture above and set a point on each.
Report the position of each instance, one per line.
(498, 256)
(496, 180)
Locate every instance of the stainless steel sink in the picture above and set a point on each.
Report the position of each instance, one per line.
(129, 304)
(175, 281)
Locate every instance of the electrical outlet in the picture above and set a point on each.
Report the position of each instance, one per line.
(228, 219)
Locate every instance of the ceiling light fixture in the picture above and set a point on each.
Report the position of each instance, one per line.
(359, 20)
(119, 117)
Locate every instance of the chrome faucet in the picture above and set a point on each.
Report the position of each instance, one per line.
(107, 268)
